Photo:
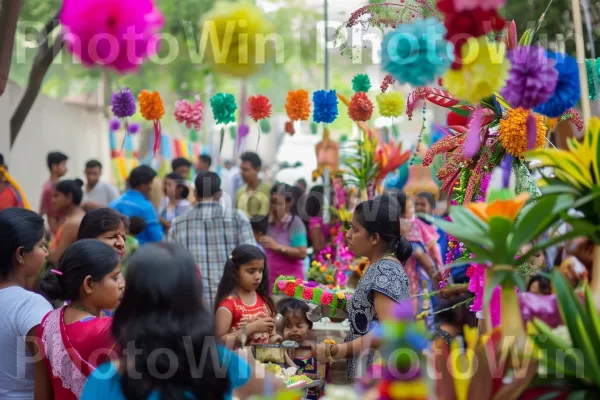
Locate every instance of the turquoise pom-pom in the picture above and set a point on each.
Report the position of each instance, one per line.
(361, 83)
(223, 108)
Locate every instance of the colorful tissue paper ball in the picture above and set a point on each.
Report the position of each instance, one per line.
(391, 104)
(297, 105)
(360, 108)
(114, 124)
(416, 53)
(240, 58)
(123, 103)
(326, 106)
(259, 107)
(117, 34)
(483, 73)
(133, 128)
(361, 83)
(223, 108)
(532, 78)
(567, 92)
(513, 132)
(307, 293)
(290, 289)
(190, 114)
(151, 105)
(326, 298)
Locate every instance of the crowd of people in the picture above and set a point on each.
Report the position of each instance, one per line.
(89, 315)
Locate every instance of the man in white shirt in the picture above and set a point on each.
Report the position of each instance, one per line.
(97, 194)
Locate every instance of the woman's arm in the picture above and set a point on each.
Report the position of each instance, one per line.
(43, 382)
(67, 237)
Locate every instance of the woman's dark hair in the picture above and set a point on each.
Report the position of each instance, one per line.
(18, 228)
(290, 194)
(544, 283)
(400, 198)
(293, 306)
(185, 191)
(162, 308)
(100, 221)
(382, 216)
(243, 254)
(71, 187)
(87, 257)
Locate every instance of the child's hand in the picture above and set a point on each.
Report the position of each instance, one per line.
(275, 339)
(263, 325)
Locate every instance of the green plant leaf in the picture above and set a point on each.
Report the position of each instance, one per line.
(525, 38)
(553, 345)
(461, 111)
(537, 218)
(543, 245)
(556, 186)
(500, 229)
(464, 215)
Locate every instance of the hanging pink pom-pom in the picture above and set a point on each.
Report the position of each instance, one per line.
(189, 114)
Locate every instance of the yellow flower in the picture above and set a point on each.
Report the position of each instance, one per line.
(507, 209)
(314, 263)
(235, 37)
(484, 70)
(328, 278)
(422, 315)
(341, 295)
(513, 132)
(391, 104)
(323, 269)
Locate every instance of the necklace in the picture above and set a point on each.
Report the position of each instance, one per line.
(83, 309)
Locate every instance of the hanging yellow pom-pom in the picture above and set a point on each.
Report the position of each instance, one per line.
(391, 104)
(151, 105)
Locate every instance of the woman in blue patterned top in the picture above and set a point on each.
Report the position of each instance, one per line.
(374, 234)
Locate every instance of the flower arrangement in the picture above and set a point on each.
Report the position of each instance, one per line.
(84, 22)
(259, 107)
(123, 106)
(189, 114)
(152, 109)
(361, 83)
(390, 104)
(312, 292)
(325, 106)
(223, 108)
(420, 60)
(297, 105)
(360, 108)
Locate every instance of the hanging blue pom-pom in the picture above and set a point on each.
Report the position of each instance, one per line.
(568, 90)
(325, 103)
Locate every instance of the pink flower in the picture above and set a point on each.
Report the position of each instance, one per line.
(281, 285)
(341, 278)
(190, 114)
(307, 293)
(118, 34)
(326, 298)
(464, 5)
(477, 285)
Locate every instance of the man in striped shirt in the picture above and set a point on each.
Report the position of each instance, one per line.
(210, 231)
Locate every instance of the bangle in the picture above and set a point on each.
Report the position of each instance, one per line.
(328, 353)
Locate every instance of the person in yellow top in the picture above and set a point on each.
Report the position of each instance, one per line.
(253, 197)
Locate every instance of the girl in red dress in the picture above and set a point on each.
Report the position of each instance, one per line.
(243, 306)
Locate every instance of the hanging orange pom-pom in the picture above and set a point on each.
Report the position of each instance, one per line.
(151, 105)
(360, 108)
(289, 127)
(297, 106)
(259, 107)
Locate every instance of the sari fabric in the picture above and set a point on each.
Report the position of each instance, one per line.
(74, 351)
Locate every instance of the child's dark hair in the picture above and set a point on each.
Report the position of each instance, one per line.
(291, 306)
(544, 283)
(71, 187)
(185, 191)
(243, 254)
(86, 257)
(136, 225)
(260, 224)
(162, 308)
(100, 221)
(54, 158)
(429, 197)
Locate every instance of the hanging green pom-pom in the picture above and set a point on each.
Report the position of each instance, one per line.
(314, 128)
(232, 131)
(361, 83)
(395, 131)
(265, 125)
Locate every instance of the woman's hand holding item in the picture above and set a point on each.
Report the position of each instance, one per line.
(263, 325)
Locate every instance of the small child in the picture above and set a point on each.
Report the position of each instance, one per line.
(298, 328)
(259, 224)
(244, 311)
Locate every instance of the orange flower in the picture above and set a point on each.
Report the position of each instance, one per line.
(297, 106)
(151, 105)
(507, 209)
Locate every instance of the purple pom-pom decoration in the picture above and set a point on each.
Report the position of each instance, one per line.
(133, 128)
(123, 103)
(532, 77)
(114, 124)
(243, 130)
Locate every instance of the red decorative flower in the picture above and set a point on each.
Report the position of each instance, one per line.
(289, 128)
(307, 293)
(360, 108)
(259, 107)
(290, 289)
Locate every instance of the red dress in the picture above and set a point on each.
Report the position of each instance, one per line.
(244, 314)
(72, 352)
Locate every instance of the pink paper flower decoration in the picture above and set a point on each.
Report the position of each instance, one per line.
(307, 293)
(281, 285)
(190, 114)
(118, 34)
(476, 285)
(463, 5)
(326, 298)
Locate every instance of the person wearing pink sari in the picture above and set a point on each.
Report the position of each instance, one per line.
(75, 339)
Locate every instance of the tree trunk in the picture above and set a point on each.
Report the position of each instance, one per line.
(9, 15)
(43, 59)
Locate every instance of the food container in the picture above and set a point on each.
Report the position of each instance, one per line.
(274, 353)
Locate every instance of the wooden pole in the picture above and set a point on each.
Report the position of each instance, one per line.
(580, 48)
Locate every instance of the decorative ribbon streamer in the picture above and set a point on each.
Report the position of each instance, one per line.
(156, 146)
(589, 68)
(221, 140)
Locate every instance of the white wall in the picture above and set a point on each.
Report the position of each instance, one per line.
(79, 131)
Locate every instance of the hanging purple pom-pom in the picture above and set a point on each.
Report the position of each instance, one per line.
(114, 124)
(133, 128)
(123, 103)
